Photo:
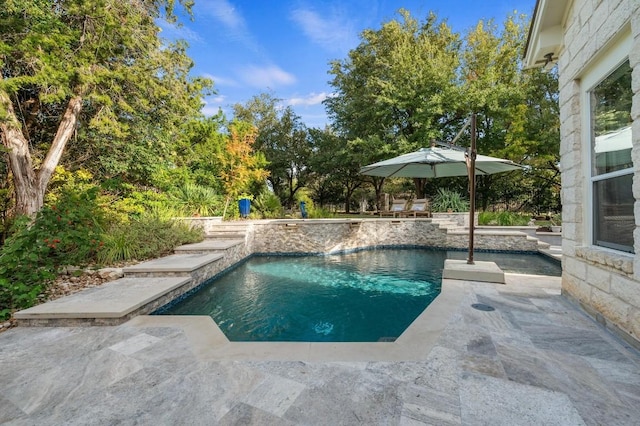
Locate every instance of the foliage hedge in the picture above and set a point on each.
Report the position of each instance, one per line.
(503, 219)
(79, 229)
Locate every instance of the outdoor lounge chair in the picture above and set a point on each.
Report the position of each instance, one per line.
(397, 206)
(419, 207)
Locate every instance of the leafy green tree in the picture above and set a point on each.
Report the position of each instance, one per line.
(517, 110)
(94, 69)
(284, 141)
(334, 162)
(398, 89)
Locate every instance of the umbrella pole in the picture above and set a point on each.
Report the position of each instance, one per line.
(471, 169)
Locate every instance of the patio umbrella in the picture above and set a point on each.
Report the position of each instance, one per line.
(450, 161)
(436, 163)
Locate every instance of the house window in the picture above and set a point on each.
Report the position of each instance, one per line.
(611, 165)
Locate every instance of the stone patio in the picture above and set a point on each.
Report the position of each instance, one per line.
(536, 359)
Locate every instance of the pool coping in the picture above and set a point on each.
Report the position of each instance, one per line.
(209, 343)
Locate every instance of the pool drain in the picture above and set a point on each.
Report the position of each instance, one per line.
(483, 307)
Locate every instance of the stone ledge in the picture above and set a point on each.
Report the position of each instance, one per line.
(615, 262)
(109, 301)
(478, 271)
(174, 263)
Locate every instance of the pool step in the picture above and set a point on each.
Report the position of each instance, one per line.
(209, 245)
(193, 265)
(554, 252)
(228, 230)
(112, 303)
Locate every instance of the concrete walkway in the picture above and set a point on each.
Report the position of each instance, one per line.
(536, 359)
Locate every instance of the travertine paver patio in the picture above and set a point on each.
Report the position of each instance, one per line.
(536, 359)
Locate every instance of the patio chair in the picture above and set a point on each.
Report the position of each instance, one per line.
(397, 206)
(419, 207)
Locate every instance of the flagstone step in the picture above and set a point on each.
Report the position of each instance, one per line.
(226, 234)
(209, 245)
(175, 264)
(112, 303)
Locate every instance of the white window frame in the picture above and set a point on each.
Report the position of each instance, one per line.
(614, 56)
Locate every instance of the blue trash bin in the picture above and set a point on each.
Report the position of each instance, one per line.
(245, 206)
(303, 209)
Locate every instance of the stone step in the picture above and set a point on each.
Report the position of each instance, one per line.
(229, 226)
(541, 244)
(554, 252)
(110, 304)
(225, 235)
(208, 245)
(175, 265)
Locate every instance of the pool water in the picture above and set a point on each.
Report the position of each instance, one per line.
(532, 264)
(365, 296)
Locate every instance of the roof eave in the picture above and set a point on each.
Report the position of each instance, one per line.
(546, 32)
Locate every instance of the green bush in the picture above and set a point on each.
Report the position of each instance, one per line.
(268, 205)
(147, 237)
(66, 233)
(503, 219)
(321, 213)
(446, 200)
(199, 200)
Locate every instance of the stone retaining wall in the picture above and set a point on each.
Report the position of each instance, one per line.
(331, 236)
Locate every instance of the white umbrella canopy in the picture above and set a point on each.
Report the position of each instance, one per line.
(437, 162)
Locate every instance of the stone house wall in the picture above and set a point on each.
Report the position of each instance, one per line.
(605, 282)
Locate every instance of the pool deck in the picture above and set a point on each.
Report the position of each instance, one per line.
(535, 359)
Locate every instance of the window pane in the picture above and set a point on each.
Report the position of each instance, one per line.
(613, 204)
(611, 121)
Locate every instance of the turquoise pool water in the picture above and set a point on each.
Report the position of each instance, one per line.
(366, 296)
(358, 297)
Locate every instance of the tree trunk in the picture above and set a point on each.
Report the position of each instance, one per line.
(420, 183)
(30, 186)
(378, 183)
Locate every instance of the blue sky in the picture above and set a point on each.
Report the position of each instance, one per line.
(284, 46)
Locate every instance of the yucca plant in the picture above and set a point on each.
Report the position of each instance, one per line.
(447, 200)
(198, 200)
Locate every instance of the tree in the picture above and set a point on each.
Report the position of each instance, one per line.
(92, 68)
(334, 162)
(284, 141)
(240, 165)
(518, 116)
(398, 88)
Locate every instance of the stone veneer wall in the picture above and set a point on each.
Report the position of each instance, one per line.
(327, 236)
(606, 283)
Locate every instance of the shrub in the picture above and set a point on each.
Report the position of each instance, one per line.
(66, 233)
(147, 237)
(321, 212)
(446, 200)
(268, 205)
(199, 200)
(503, 219)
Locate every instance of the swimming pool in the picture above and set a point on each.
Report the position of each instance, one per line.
(365, 296)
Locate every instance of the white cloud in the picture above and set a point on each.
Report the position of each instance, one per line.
(222, 81)
(210, 110)
(266, 77)
(172, 31)
(231, 18)
(213, 104)
(225, 13)
(334, 33)
(310, 99)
